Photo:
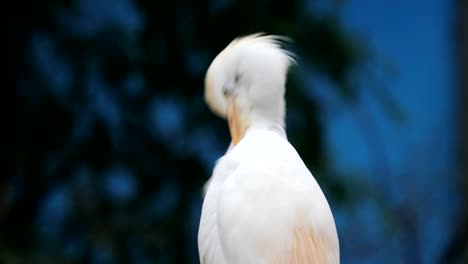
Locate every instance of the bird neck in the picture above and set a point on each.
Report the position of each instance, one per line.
(276, 127)
(262, 122)
(272, 119)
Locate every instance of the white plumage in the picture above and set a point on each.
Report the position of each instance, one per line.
(262, 204)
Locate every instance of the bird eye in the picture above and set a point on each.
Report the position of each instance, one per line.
(237, 78)
(226, 92)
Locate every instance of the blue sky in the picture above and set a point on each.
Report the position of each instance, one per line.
(416, 38)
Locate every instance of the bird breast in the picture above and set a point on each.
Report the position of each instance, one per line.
(268, 206)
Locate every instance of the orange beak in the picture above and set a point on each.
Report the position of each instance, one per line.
(236, 126)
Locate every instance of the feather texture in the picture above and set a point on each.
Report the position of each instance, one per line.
(262, 204)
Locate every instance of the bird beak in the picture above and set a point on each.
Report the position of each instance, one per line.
(236, 127)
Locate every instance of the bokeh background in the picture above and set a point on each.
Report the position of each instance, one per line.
(113, 141)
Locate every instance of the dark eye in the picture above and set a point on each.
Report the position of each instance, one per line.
(226, 92)
(237, 78)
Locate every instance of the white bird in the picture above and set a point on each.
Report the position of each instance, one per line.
(262, 204)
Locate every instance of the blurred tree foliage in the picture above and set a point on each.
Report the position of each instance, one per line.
(113, 140)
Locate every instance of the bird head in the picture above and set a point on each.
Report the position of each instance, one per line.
(245, 83)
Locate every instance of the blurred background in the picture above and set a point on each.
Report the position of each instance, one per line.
(113, 141)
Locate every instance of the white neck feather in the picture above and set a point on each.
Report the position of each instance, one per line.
(272, 119)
